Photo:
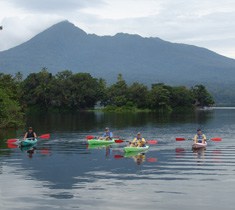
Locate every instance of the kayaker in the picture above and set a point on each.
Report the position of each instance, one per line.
(30, 134)
(107, 134)
(139, 141)
(199, 137)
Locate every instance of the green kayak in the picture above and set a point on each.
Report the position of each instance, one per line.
(100, 142)
(132, 154)
(28, 142)
(135, 149)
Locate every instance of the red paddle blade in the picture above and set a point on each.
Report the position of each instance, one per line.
(90, 137)
(12, 140)
(11, 146)
(216, 139)
(180, 139)
(45, 136)
(118, 141)
(152, 141)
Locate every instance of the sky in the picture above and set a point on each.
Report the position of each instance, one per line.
(204, 23)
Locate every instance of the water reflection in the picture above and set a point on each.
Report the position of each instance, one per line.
(98, 120)
(199, 154)
(67, 173)
(29, 150)
(138, 158)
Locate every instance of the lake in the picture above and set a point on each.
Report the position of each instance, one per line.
(65, 173)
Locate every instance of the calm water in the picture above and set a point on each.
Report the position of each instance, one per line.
(64, 173)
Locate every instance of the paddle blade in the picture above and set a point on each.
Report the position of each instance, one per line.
(45, 136)
(11, 145)
(12, 140)
(152, 141)
(118, 141)
(180, 139)
(216, 139)
(90, 137)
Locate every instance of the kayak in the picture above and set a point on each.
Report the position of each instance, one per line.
(135, 149)
(100, 141)
(28, 142)
(199, 145)
(133, 154)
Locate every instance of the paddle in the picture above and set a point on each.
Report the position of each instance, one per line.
(89, 137)
(43, 136)
(148, 141)
(212, 139)
(12, 146)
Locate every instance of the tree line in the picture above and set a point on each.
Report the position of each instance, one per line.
(80, 91)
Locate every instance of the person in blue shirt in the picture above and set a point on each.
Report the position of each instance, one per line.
(107, 135)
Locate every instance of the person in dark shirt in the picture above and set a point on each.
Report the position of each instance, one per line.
(30, 134)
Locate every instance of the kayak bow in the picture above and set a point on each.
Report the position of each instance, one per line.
(28, 142)
(135, 149)
(100, 141)
(199, 145)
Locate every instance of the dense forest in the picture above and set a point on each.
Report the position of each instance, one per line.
(67, 91)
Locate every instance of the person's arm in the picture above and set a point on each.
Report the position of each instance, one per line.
(134, 140)
(25, 136)
(195, 139)
(111, 135)
(144, 141)
(204, 138)
(133, 143)
(35, 135)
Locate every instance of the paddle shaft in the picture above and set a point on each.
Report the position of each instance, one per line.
(211, 139)
(148, 141)
(43, 136)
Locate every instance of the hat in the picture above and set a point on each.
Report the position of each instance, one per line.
(106, 128)
(138, 133)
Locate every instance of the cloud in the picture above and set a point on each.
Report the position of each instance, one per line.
(118, 10)
(20, 29)
(203, 23)
(45, 6)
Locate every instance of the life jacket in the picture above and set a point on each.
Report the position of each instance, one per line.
(200, 138)
(30, 135)
(107, 134)
(139, 141)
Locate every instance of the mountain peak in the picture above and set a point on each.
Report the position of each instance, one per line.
(66, 26)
